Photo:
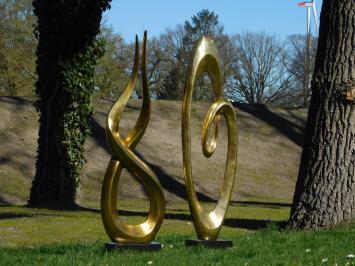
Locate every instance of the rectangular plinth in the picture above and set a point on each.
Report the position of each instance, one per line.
(219, 243)
(151, 246)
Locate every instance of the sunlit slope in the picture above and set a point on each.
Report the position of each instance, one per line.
(270, 142)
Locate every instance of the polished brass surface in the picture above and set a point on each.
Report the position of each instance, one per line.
(205, 58)
(123, 156)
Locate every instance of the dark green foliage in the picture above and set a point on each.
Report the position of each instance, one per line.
(170, 83)
(78, 85)
(204, 22)
(66, 56)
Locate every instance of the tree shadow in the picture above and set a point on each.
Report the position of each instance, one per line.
(98, 131)
(290, 129)
(98, 134)
(3, 202)
(4, 160)
(259, 203)
(16, 158)
(248, 224)
(172, 185)
(253, 224)
(301, 120)
(132, 107)
(4, 216)
(14, 100)
(168, 182)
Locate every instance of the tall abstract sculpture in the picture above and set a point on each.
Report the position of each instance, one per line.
(205, 58)
(123, 156)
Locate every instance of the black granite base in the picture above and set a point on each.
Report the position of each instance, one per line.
(151, 246)
(219, 243)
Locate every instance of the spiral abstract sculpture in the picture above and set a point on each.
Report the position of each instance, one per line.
(206, 59)
(123, 156)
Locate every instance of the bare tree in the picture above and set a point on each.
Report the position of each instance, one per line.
(165, 64)
(169, 54)
(300, 65)
(156, 60)
(258, 74)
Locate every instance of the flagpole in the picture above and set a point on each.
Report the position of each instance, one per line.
(307, 76)
(308, 62)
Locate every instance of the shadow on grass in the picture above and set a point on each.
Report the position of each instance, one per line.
(4, 216)
(290, 129)
(249, 224)
(259, 203)
(253, 224)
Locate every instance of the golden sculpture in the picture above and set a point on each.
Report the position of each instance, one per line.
(123, 156)
(206, 59)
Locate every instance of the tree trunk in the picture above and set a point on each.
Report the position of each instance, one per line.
(66, 55)
(325, 189)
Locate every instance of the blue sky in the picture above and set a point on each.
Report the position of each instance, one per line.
(279, 17)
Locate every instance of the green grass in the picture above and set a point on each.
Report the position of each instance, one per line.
(76, 237)
(266, 247)
(21, 226)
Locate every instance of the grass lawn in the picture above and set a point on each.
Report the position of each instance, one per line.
(76, 237)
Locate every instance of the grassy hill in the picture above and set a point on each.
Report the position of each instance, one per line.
(270, 142)
(269, 150)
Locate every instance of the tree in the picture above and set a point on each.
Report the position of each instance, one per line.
(17, 48)
(206, 23)
(258, 72)
(110, 73)
(299, 67)
(66, 55)
(172, 65)
(325, 189)
(168, 56)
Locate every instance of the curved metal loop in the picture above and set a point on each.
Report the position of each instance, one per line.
(205, 58)
(124, 157)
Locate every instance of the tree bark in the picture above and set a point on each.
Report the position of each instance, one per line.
(66, 55)
(325, 189)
